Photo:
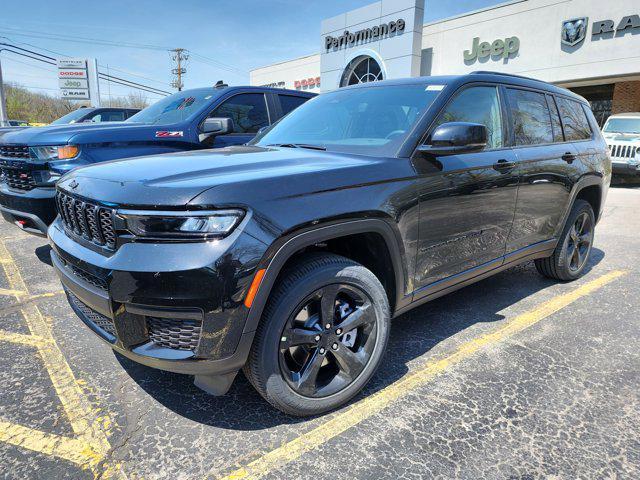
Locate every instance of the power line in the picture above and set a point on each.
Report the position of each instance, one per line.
(71, 38)
(180, 56)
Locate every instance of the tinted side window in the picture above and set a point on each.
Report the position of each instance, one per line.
(289, 102)
(576, 125)
(477, 105)
(531, 119)
(248, 111)
(558, 136)
(107, 116)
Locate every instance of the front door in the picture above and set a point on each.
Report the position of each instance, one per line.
(467, 201)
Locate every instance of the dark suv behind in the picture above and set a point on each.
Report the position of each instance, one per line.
(289, 256)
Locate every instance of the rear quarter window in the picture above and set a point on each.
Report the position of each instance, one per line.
(574, 120)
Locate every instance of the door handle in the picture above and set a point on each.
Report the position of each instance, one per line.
(504, 166)
(568, 157)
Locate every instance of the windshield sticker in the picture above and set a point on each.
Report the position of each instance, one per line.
(187, 102)
(164, 134)
(434, 88)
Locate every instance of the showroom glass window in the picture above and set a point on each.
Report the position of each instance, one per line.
(247, 110)
(531, 117)
(477, 105)
(576, 125)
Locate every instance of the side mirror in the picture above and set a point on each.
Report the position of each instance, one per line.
(217, 126)
(456, 137)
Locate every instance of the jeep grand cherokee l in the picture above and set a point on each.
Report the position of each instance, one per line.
(32, 160)
(289, 256)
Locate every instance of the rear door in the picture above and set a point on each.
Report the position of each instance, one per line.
(249, 113)
(467, 201)
(544, 165)
(288, 103)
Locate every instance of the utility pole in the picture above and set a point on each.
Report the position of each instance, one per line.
(180, 56)
(4, 121)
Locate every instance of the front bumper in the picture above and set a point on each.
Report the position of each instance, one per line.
(36, 206)
(176, 307)
(625, 168)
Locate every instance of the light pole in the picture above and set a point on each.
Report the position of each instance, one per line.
(4, 121)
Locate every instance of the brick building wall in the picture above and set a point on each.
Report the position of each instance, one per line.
(626, 97)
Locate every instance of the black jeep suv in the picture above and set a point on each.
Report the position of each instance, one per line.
(289, 256)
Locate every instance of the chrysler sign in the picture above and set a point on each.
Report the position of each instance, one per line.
(73, 78)
(349, 39)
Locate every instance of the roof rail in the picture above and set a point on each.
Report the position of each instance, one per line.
(489, 72)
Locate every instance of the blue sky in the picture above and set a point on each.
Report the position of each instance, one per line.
(241, 34)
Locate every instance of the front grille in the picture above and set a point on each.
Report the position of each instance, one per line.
(18, 178)
(14, 151)
(174, 333)
(90, 278)
(624, 151)
(103, 323)
(87, 220)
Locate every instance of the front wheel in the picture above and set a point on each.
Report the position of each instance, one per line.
(322, 336)
(572, 253)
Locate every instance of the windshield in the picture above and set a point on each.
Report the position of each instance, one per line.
(623, 125)
(370, 120)
(174, 108)
(71, 117)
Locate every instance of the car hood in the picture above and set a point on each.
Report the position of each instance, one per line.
(175, 179)
(622, 137)
(82, 133)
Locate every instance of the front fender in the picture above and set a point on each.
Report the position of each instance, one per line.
(283, 249)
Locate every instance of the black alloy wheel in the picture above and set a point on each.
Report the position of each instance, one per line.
(322, 335)
(571, 255)
(328, 340)
(579, 242)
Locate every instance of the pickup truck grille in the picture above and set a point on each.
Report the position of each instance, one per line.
(623, 152)
(14, 151)
(87, 220)
(18, 178)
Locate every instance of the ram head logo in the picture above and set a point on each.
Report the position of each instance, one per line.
(574, 31)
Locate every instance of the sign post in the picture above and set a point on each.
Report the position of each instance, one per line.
(78, 79)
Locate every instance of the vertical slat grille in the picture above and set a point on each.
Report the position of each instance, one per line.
(624, 151)
(91, 222)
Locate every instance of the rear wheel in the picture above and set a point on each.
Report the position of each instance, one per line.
(322, 336)
(572, 253)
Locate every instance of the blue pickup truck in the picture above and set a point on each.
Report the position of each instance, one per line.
(32, 160)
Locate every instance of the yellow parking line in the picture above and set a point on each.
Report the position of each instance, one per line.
(14, 293)
(86, 421)
(372, 405)
(74, 450)
(30, 340)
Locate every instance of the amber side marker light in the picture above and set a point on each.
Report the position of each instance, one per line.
(67, 151)
(253, 289)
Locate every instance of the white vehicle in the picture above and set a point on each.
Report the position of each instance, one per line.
(622, 134)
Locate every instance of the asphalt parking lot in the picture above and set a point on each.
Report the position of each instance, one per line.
(514, 377)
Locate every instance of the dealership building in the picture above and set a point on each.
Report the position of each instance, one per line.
(589, 46)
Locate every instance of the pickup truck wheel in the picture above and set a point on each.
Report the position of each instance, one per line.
(572, 253)
(322, 335)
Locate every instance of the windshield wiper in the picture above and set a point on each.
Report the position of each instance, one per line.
(297, 145)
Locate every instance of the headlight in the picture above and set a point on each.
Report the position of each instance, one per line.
(203, 225)
(62, 152)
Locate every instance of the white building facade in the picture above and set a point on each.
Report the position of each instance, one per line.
(590, 46)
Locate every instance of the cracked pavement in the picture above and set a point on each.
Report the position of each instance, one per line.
(560, 399)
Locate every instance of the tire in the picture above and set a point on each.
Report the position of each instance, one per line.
(563, 264)
(305, 286)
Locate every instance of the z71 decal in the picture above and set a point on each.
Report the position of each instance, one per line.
(163, 134)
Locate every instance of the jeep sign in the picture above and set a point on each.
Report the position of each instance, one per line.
(496, 49)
